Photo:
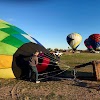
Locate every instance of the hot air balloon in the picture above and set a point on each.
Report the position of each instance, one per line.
(16, 48)
(74, 39)
(88, 45)
(95, 41)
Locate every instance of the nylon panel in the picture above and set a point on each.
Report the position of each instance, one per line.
(3, 25)
(7, 49)
(13, 41)
(3, 35)
(9, 31)
(19, 30)
(6, 73)
(20, 37)
(29, 38)
(43, 65)
(5, 61)
(2, 21)
(37, 41)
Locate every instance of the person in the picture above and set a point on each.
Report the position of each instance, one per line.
(41, 54)
(57, 58)
(33, 63)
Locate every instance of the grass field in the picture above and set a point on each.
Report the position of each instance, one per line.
(55, 89)
(73, 59)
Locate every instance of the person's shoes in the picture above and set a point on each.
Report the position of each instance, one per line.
(37, 81)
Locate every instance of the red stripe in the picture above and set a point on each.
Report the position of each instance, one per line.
(95, 37)
(42, 67)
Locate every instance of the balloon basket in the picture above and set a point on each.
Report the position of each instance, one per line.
(95, 65)
(96, 69)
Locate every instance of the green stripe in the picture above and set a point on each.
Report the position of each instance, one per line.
(9, 31)
(7, 49)
(13, 41)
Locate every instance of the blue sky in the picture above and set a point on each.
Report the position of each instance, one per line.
(50, 21)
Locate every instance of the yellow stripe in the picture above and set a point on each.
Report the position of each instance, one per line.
(6, 73)
(5, 61)
(76, 44)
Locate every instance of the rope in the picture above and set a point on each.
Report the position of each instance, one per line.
(57, 64)
(49, 72)
(48, 64)
(51, 56)
(52, 60)
(75, 77)
(52, 75)
(74, 74)
(68, 67)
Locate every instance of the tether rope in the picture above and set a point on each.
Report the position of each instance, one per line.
(52, 60)
(54, 76)
(68, 67)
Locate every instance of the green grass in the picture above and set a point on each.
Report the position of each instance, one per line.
(74, 59)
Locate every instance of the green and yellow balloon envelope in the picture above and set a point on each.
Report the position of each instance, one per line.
(11, 38)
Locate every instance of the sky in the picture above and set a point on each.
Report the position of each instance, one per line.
(51, 21)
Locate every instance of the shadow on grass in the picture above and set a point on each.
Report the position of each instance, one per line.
(66, 74)
(87, 85)
(80, 81)
(84, 79)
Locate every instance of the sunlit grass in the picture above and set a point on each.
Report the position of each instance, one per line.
(74, 59)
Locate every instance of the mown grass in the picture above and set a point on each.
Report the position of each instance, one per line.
(74, 59)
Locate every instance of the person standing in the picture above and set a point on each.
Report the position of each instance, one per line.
(58, 58)
(33, 63)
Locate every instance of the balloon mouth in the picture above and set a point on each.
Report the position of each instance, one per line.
(20, 64)
(74, 49)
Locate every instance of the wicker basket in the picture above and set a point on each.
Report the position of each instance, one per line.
(96, 69)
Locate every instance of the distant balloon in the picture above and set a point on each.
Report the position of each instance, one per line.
(88, 45)
(95, 41)
(74, 40)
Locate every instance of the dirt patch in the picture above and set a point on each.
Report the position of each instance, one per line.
(56, 90)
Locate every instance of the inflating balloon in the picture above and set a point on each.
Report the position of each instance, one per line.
(95, 41)
(16, 48)
(88, 45)
(74, 40)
